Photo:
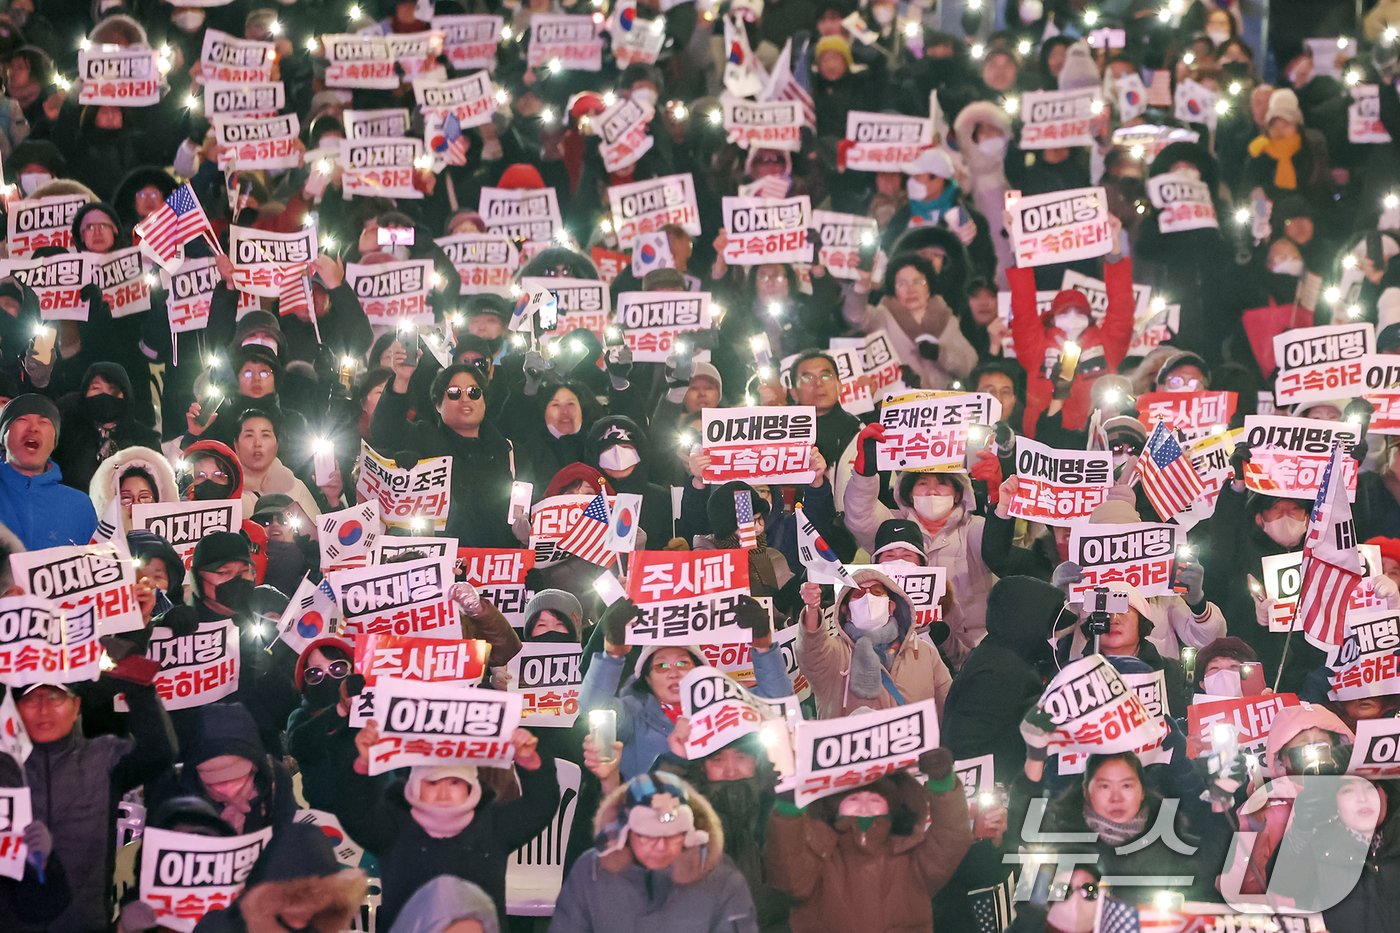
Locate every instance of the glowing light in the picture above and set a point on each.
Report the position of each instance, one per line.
(716, 117)
(1235, 88)
(507, 33)
(555, 66)
(1011, 105)
(1164, 15)
(1189, 58)
(609, 98)
(322, 446)
(275, 28)
(84, 44)
(191, 102)
(547, 116)
(1390, 34)
(328, 243)
(1332, 294)
(1242, 216)
(356, 12)
(775, 309)
(311, 44)
(612, 332)
(1222, 107)
(1353, 78)
(678, 111)
(977, 50)
(1391, 202)
(1096, 107)
(1349, 261)
(1342, 43)
(605, 225)
(455, 320)
(912, 30)
(561, 236)
(1354, 312)
(502, 98)
(438, 281)
(1024, 46)
(213, 361)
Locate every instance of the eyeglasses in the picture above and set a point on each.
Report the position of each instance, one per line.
(874, 588)
(141, 498)
(455, 392)
(772, 277)
(44, 698)
(663, 666)
(257, 374)
(218, 476)
(814, 378)
(98, 225)
(1089, 890)
(1183, 382)
(280, 518)
(336, 670)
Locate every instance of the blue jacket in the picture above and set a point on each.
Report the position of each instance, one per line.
(41, 511)
(642, 725)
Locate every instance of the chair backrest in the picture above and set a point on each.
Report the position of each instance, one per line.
(539, 864)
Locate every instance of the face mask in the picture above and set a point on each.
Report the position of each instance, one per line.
(933, 508)
(1072, 324)
(619, 457)
(326, 693)
(261, 340)
(559, 637)
(1286, 530)
(1031, 10)
(644, 96)
(1292, 267)
(187, 20)
(1191, 172)
(1218, 36)
(994, 146)
(210, 490)
(234, 593)
(103, 408)
(1120, 459)
(30, 182)
(869, 612)
(555, 432)
(918, 191)
(882, 14)
(1224, 683)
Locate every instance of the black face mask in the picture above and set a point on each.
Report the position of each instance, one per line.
(326, 693)
(558, 637)
(103, 408)
(234, 593)
(209, 490)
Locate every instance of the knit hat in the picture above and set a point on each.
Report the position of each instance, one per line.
(703, 370)
(837, 44)
(719, 509)
(1283, 104)
(219, 548)
(521, 176)
(1389, 547)
(321, 644)
(1125, 429)
(1227, 646)
(115, 373)
(575, 473)
(663, 280)
(259, 322)
(932, 161)
(1177, 360)
(29, 403)
(610, 432)
(442, 902)
(898, 532)
(96, 207)
(562, 603)
(1119, 507)
(656, 804)
(1079, 70)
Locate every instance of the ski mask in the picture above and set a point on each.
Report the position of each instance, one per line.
(234, 593)
(103, 408)
(1286, 530)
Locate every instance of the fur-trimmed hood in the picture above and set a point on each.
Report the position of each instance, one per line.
(693, 864)
(106, 482)
(899, 602)
(336, 899)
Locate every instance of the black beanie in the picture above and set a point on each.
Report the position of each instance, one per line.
(900, 532)
(31, 403)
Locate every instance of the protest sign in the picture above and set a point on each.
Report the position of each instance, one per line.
(41, 643)
(345, 536)
(410, 597)
(1096, 290)
(547, 677)
(381, 168)
(1365, 664)
(393, 293)
(243, 99)
(1151, 689)
(270, 143)
(924, 587)
(195, 669)
(358, 61)
(687, 598)
(228, 59)
(1183, 202)
(551, 520)
(635, 37)
(122, 278)
(57, 282)
(1062, 226)
(1251, 716)
(1155, 330)
(841, 237)
(1094, 711)
(767, 230)
(1139, 554)
(646, 206)
(583, 303)
(423, 660)
(736, 658)
(884, 142)
(499, 575)
(773, 124)
(1380, 378)
(16, 813)
(652, 322)
(1146, 141)
(1321, 364)
(560, 41)
(1059, 487)
(83, 575)
(187, 875)
(484, 261)
(1364, 126)
(470, 42)
(1288, 455)
(185, 524)
(262, 257)
(37, 222)
(380, 123)
(413, 498)
(926, 431)
(347, 851)
(976, 775)
(1194, 413)
(112, 76)
(1057, 119)
(624, 133)
(1210, 458)
(525, 213)
(440, 724)
(1282, 576)
(835, 755)
(882, 366)
(759, 444)
(471, 99)
(849, 356)
(1377, 750)
(189, 292)
(389, 548)
(721, 711)
(415, 52)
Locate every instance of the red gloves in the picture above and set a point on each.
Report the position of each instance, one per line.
(988, 469)
(865, 448)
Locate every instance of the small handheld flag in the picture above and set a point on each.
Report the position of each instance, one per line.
(823, 566)
(743, 517)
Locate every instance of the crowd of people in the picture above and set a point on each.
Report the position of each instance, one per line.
(1129, 262)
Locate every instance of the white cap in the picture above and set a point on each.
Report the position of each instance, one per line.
(932, 161)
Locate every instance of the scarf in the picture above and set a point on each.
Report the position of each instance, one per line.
(922, 213)
(234, 805)
(870, 658)
(1282, 152)
(441, 821)
(672, 710)
(935, 321)
(1115, 834)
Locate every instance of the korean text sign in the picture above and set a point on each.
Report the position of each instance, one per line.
(687, 598)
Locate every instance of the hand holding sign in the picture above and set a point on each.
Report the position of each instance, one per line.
(615, 621)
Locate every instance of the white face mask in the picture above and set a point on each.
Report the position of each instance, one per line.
(1286, 530)
(1224, 683)
(1292, 267)
(261, 340)
(1190, 171)
(1072, 324)
(918, 191)
(933, 508)
(869, 612)
(619, 457)
(187, 20)
(33, 181)
(644, 96)
(882, 14)
(1218, 36)
(1031, 10)
(993, 146)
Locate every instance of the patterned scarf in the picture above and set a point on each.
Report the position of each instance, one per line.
(1115, 834)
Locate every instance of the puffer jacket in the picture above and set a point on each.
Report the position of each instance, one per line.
(957, 547)
(701, 892)
(848, 880)
(41, 511)
(106, 482)
(824, 657)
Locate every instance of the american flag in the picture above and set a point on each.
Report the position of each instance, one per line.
(588, 539)
(169, 227)
(991, 907)
(768, 186)
(450, 143)
(293, 290)
(785, 84)
(743, 514)
(1170, 481)
(1331, 564)
(1115, 916)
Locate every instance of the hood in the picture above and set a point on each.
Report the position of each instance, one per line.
(106, 481)
(903, 496)
(124, 197)
(225, 729)
(544, 262)
(299, 867)
(121, 241)
(1021, 613)
(910, 809)
(224, 452)
(903, 611)
(952, 281)
(1187, 152)
(442, 902)
(693, 864)
(1295, 719)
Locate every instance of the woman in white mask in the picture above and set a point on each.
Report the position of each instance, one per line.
(616, 445)
(871, 657)
(983, 134)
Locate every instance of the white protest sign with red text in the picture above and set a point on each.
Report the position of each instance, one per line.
(112, 76)
(185, 524)
(1057, 119)
(926, 431)
(1289, 455)
(80, 576)
(359, 61)
(470, 41)
(1182, 202)
(405, 598)
(41, 644)
(16, 813)
(37, 222)
(195, 669)
(767, 230)
(571, 41)
(548, 679)
(1095, 711)
(773, 124)
(441, 724)
(687, 597)
(1139, 554)
(1377, 750)
(884, 142)
(187, 875)
(835, 755)
(770, 444)
(1062, 226)
(393, 293)
(1365, 664)
(1321, 364)
(651, 322)
(229, 59)
(1059, 487)
(408, 498)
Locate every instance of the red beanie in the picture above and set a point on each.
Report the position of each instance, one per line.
(521, 176)
(1389, 547)
(1071, 299)
(576, 473)
(328, 641)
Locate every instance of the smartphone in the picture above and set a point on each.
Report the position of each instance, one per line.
(408, 336)
(1182, 556)
(520, 496)
(323, 457)
(602, 729)
(206, 413)
(1040, 889)
(609, 588)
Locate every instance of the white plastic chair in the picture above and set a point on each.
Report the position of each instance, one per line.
(536, 870)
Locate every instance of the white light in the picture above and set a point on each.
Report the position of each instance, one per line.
(1235, 88)
(775, 309)
(1222, 106)
(328, 243)
(679, 112)
(1159, 304)
(1011, 105)
(355, 11)
(275, 28)
(716, 117)
(518, 340)
(502, 98)
(163, 65)
(555, 66)
(1096, 107)
(258, 630)
(912, 29)
(322, 446)
(609, 98)
(1242, 216)
(213, 361)
(1349, 261)
(438, 281)
(191, 102)
(83, 44)
(1354, 312)
(1189, 58)
(748, 399)
(418, 524)
(1332, 294)
(515, 290)
(716, 312)
(1112, 396)
(1024, 46)
(765, 372)
(1343, 42)
(1164, 15)
(1353, 78)
(612, 332)
(978, 50)
(1390, 34)
(347, 362)
(973, 4)
(561, 236)
(424, 161)
(62, 82)
(1218, 429)
(1391, 202)
(1091, 17)
(547, 116)
(507, 32)
(311, 44)
(1222, 734)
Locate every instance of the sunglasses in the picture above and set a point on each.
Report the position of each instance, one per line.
(336, 670)
(455, 392)
(1088, 890)
(673, 666)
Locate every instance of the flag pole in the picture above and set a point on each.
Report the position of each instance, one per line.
(1283, 658)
